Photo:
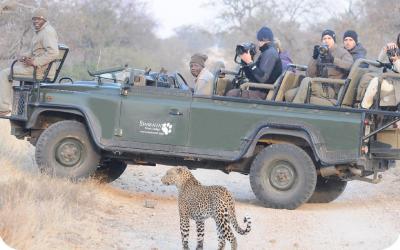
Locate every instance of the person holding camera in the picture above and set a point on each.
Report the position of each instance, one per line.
(328, 61)
(203, 82)
(44, 49)
(390, 88)
(266, 69)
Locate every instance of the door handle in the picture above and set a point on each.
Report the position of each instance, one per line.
(175, 112)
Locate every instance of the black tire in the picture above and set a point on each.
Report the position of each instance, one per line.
(110, 170)
(283, 176)
(65, 150)
(327, 190)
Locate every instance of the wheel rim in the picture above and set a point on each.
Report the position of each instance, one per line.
(69, 152)
(282, 175)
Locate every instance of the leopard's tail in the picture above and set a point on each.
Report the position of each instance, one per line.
(246, 220)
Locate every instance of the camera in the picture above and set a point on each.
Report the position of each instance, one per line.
(323, 50)
(393, 52)
(244, 48)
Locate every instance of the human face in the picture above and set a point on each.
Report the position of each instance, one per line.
(349, 43)
(38, 22)
(328, 40)
(195, 69)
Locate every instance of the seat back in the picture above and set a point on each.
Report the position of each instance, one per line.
(54, 68)
(357, 71)
(223, 85)
(287, 83)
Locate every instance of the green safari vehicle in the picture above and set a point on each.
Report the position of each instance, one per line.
(293, 153)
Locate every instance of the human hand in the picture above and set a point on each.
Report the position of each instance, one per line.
(390, 46)
(28, 61)
(316, 52)
(246, 57)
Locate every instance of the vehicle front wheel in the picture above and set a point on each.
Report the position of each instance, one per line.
(64, 149)
(327, 190)
(283, 176)
(109, 170)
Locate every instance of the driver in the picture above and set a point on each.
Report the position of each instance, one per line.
(44, 49)
(203, 82)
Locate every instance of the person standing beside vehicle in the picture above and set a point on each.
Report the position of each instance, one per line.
(266, 69)
(328, 61)
(203, 82)
(44, 49)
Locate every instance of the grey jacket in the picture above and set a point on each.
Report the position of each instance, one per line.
(358, 52)
(342, 62)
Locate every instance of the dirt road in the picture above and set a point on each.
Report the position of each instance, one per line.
(366, 216)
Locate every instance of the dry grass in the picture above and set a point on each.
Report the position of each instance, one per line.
(39, 212)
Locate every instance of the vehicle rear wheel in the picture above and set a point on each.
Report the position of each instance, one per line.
(110, 170)
(283, 176)
(327, 190)
(65, 150)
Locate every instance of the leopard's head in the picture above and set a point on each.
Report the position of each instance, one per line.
(176, 176)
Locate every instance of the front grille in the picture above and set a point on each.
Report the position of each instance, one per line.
(20, 103)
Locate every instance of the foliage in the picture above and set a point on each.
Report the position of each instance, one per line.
(108, 33)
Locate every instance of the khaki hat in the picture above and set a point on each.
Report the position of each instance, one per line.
(40, 13)
(199, 59)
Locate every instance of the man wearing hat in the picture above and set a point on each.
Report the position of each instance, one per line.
(44, 49)
(203, 82)
(335, 64)
(266, 69)
(351, 44)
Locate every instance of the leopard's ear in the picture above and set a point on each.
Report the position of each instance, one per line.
(179, 170)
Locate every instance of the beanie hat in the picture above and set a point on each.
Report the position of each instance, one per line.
(40, 13)
(330, 33)
(199, 59)
(352, 34)
(265, 33)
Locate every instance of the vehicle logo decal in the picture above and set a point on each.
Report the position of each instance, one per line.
(155, 128)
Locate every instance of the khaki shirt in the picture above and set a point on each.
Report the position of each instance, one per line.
(203, 84)
(44, 47)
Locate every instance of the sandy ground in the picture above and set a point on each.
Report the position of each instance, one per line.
(366, 216)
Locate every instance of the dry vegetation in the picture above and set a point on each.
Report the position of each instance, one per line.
(40, 212)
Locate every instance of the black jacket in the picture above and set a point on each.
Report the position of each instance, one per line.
(267, 68)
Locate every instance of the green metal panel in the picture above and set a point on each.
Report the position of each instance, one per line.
(155, 115)
(101, 103)
(223, 125)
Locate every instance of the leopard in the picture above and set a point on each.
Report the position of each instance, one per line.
(199, 202)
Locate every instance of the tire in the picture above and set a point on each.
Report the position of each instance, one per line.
(65, 150)
(327, 190)
(283, 176)
(110, 170)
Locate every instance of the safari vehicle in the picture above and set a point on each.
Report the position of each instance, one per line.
(293, 153)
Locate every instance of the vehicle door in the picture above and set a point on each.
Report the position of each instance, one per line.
(155, 115)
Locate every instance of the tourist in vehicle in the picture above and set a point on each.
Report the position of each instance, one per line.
(283, 54)
(266, 69)
(203, 82)
(351, 44)
(328, 61)
(44, 49)
(390, 88)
